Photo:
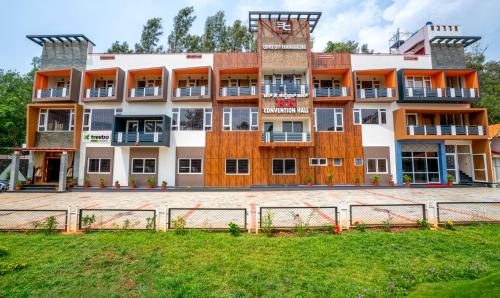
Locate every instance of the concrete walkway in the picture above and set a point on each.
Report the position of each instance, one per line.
(239, 199)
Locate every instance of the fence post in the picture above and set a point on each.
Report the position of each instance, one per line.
(161, 218)
(431, 210)
(343, 215)
(254, 218)
(167, 219)
(72, 219)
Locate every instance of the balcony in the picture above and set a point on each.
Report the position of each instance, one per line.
(286, 137)
(103, 85)
(238, 91)
(462, 93)
(462, 85)
(192, 84)
(61, 85)
(424, 93)
(332, 85)
(376, 85)
(147, 85)
(440, 123)
(269, 90)
(238, 85)
(144, 130)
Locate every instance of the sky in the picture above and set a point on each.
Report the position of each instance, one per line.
(366, 21)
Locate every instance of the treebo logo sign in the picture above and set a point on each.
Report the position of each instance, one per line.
(97, 138)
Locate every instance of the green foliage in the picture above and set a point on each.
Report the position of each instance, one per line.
(179, 226)
(87, 222)
(234, 229)
(101, 181)
(387, 224)
(407, 178)
(360, 226)
(6, 267)
(150, 223)
(179, 39)
(449, 225)
(3, 252)
(489, 81)
(267, 223)
(423, 224)
(375, 179)
(481, 288)
(214, 38)
(150, 180)
(120, 48)
(349, 46)
(49, 225)
(450, 178)
(150, 37)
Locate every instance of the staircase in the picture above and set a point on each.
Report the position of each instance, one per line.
(39, 188)
(465, 179)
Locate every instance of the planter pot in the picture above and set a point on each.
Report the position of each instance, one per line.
(392, 183)
(376, 183)
(309, 184)
(330, 184)
(407, 184)
(18, 187)
(101, 186)
(86, 185)
(133, 186)
(117, 186)
(357, 183)
(450, 183)
(163, 186)
(150, 186)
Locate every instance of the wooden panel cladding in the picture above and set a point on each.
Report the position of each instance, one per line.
(483, 146)
(32, 121)
(329, 61)
(235, 60)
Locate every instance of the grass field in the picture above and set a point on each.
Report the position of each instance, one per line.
(354, 264)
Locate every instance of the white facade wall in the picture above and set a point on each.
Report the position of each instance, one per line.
(385, 61)
(167, 155)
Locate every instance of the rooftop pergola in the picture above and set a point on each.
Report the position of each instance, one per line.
(42, 39)
(453, 40)
(255, 16)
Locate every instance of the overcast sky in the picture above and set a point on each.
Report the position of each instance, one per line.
(104, 21)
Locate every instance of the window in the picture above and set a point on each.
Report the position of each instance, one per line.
(143, 166)
(376, 166)
(356, 116)
(284, 167)
(315, 162)
(56, 120)
(292, 126)
(152, 126)
(99, 119)
(240, 119)
(337, 162)
(329, 119)
(99, 165)
(358, 162)
(373, 116)
(191, 119)
(418, 82)
(237, 167)
(190, 166)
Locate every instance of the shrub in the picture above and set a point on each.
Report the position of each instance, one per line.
(179, 225)
(375, 179)
(424, 224)
(150, 223)
(132, 180)
(329, 177)
(87, 222)
(387, 224)
(450, 178)
(360, 226)
(49, 225)
(86, 181)
(300, 226)
(357, 180)
(406, 178)
(150, 180)
(101, 181)
(267, 224)
(449, 225)
(309, 179)
(234, 229)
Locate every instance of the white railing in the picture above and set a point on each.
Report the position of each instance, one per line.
(330, 92)
(284, 137)
(238, 91)
(375, 92)
(147, 91)
(269, 89)
(191, 91)
(445, 130)
(99, 92)
(462, 92)
(424, 92)
(51, 93)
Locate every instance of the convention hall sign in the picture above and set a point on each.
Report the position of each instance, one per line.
(286, 103)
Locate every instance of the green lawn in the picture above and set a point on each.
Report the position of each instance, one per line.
(374, 263)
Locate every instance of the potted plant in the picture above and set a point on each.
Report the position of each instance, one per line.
(86, 182)
(407, 180)
(74, 181)
(164, 184)
(117, 184)
(450, 180)
(330, 179)
(101, 182)
(357, 181)
(19, 185)
(150, 182)
(391, 181)
(376, 180)
(132, 183)
(309, 181)
(28, 180)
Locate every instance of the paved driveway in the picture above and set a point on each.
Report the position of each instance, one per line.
(212, 199)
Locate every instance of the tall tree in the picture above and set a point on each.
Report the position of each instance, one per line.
(179, 39)
(119, 48)
(239, 38)
(150, 37)
(365, 50)
(214, 38)
(349, 46)
(15, 94)
(489, 81)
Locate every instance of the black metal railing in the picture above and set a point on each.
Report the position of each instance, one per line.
(117, 219)
(208, 218)
(26, 220)
(139, 137)
(388, 214)
(446, 130)
(462, 93)
(468, 212)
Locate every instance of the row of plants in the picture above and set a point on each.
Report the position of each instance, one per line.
(132, 183)
(375, 180)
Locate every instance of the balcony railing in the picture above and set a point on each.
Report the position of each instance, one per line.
(330, 92)
(284, 137)
(462, 92)
(100, 92)
(238, 91)
(52, 93)
(140, 137)
(287, 88)
(191, 91)
(375, 93)
(424, 92)
(445, 130)
(145, 91)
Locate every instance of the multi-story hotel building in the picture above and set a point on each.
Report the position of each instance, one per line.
(276, 116)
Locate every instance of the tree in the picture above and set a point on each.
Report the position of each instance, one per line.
(239, 38)
(489, 81)
(15, 94)
(365, 50)
(215, 37)
(349, 46)
(120, 48)
(150, 37)
(179, 39)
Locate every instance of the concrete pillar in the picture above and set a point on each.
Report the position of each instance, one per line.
(431, 210)
(62, 171)
(30, 165)
(72, 219)
(14, 170)
(161, 218)
(76, 163)
(343, 215)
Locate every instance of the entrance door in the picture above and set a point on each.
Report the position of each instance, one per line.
(479, 165)
(53, 166)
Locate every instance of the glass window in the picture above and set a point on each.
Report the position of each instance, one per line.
(58, 120)
(102, 119)
(318, 162)
(240, 119)
(329, 119)
(237, 166)
(358, 162)
(383, 116)
(376, 165)
(369, 116)
(284, 167)
(191, 119)
(93, 165)
(143, 166)
(190, 166)
(337, 162)
(357, 116)
(99, 165)
(208, 119)
(152, 126)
